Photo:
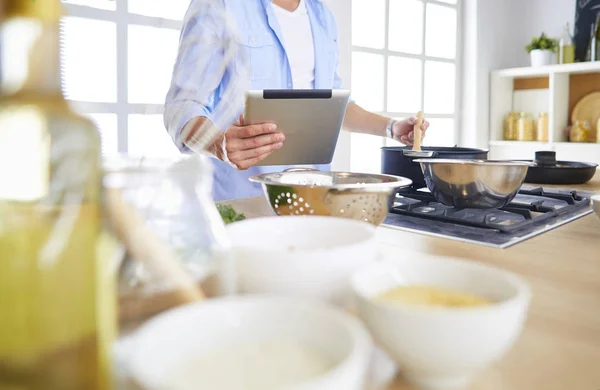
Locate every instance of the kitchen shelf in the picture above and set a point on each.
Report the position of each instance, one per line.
(553, 89)
(577, 68)
(516, 143)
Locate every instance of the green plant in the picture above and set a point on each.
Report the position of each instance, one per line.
(543, 42)
(229, 214)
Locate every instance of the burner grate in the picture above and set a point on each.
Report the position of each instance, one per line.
(530, 206)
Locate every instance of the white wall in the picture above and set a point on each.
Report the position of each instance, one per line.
(494, 37)
(343, 15)
(547, 16)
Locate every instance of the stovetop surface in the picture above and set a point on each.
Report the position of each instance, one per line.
(534, 210)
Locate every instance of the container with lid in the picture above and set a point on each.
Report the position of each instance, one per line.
(173, 197)
(510, 126)
(541, 131)
(525, 127)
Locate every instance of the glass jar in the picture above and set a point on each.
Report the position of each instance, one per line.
(525, 129)
(173, 197)
(510, 126)
(541, 131)
(580, 132)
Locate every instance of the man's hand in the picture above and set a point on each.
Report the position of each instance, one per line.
(245, 146)
(403, 131)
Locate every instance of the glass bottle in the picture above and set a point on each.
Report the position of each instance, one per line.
(541, 131)
(525, 128)
(57, 298)
(567, 48)
(510, 126)
(580, 132)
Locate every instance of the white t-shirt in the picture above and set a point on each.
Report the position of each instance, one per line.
(298, 44)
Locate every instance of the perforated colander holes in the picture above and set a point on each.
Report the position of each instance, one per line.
(292, 201)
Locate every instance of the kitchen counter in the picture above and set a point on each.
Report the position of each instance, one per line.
(560, 345)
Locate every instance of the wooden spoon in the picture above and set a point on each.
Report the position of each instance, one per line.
(418, 134)
(418, 137)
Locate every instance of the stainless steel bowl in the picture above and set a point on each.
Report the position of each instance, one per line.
(473, 183)
(361, 196)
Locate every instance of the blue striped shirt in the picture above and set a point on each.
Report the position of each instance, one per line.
(201, 86)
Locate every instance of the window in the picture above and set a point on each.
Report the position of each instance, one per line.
(117, 58)
(404, 59)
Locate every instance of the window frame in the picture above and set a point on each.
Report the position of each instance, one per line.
(457, 61)
(122, 108)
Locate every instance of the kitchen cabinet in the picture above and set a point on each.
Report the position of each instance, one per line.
(553, 89)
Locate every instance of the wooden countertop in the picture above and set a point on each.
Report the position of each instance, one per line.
(560, 345)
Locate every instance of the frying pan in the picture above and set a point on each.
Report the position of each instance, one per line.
(546, 170)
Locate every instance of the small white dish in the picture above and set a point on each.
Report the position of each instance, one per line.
(439, 348)
(180, 336)
(596, 204)
(303, 256)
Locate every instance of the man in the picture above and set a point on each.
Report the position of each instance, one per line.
(283, 44)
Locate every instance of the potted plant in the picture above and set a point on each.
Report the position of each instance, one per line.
(541, 49)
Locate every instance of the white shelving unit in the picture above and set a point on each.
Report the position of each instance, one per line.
(546, 89)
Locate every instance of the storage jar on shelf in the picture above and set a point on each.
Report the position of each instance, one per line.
(580, 132)
(510, 126)
(541, 131)
(525, 128)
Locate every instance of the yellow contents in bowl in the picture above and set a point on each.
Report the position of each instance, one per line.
(431, 296)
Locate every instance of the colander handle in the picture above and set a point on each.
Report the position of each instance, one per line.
(301, 170)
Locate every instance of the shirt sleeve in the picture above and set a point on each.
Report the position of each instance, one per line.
(199, 68)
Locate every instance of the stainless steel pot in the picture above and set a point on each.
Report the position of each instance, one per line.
(359, 196)
(473, 183)
(400, 161)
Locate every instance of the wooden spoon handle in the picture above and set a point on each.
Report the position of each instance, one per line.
(417, 131)
(146, 246)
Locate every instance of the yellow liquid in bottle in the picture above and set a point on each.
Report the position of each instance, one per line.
(56, 295)
(568, 54)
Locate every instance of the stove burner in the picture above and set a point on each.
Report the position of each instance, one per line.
(532, 210)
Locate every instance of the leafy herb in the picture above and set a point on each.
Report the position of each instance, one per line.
(229, 214)
(543, 42)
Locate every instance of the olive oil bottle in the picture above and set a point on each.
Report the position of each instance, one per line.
(56, 298)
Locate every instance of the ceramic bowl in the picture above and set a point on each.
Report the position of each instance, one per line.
(442, 348)
(596, 204)
(304, 256)
(178, 337)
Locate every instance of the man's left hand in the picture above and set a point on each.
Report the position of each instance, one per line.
(403, 130)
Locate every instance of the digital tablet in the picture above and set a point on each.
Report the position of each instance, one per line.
(311, 120)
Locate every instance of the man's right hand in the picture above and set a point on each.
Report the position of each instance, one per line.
(245, 146)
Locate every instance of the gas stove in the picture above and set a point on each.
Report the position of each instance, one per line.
(535, 210)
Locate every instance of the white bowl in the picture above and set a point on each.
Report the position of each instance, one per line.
(301, 256)
(178, 337)
(596, 204)
(435, 347)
